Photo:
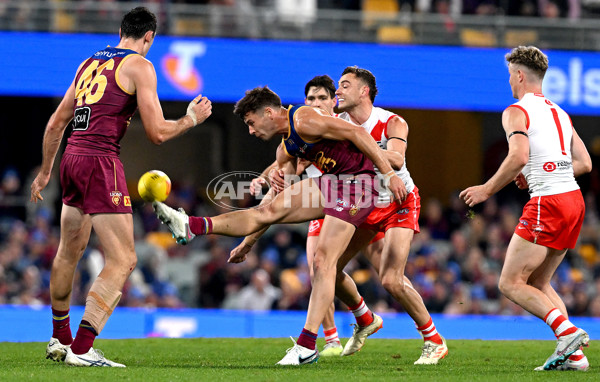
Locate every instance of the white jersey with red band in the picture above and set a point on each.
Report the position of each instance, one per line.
(549, 170)
(376, 125)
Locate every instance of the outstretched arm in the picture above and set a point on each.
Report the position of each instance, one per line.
(287, 165)
(142, 80)
(513, 120)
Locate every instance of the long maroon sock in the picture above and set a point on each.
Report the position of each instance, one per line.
(307, 339)
(61, 328)
(84, 339)
(200, 225)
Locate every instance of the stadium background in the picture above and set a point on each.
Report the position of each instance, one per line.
(443, 72)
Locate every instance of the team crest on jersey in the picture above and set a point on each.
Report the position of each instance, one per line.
(353, 209)
(340, 204)
(116, 196)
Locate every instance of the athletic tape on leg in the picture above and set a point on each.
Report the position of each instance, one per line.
(100, 303)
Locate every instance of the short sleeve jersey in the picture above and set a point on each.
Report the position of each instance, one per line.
(102, 107)
(549, 170)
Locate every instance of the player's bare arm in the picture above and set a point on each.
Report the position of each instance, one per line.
(582, 163)
(138, 75)
(397, 132)
(312, 124)
(514, 122)
(53, 135)
(285, 165)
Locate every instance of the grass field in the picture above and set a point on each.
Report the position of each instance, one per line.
(248, 360)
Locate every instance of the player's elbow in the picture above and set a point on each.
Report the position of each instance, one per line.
(156, 138)
(587, 166)
(520, 159)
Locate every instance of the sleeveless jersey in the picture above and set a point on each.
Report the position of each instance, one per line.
(102, 107)
(329, 156)
(549, 170)
(376, 125)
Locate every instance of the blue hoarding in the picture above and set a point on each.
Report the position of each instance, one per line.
(34, 323)
(422, 77)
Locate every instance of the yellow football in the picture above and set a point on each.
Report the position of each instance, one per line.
(154, 185)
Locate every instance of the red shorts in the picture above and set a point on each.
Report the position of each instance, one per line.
(404, 215)
(378, 236)
(351, 199)
(94, 184)
(553, 221)
(314, 229)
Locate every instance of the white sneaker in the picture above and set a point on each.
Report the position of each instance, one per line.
(565, 346)
(431, 353)
(56, 351)
(299, 355)
(177, 221)
(356, 342)
(93, 357)
(570, 365)
(332, 349)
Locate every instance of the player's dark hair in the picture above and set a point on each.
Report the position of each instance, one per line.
(530, 57)
(365, 76)
(255, 100)
(324, 82)
(137, 22)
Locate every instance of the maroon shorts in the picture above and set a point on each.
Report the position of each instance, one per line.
(314, 229)
(350, 199)
(94, 184)
(404, 215)
(553, 221)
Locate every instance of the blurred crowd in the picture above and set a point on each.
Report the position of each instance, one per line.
(454, 263)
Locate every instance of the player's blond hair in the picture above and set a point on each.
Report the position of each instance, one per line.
(530, 57)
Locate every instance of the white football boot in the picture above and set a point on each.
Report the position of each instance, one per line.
(177, 221)
(55, 350)
(431, 353)
(565, 346)
(93, 358)
(299, 355)
(332, 349)
(356, 342)
(570, 365)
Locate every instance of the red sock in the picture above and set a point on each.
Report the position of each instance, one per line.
(307, 339)
(61, 328)
(200, 225)
(363, 314)
(84, 339)
(559, 323)
(331, 335)
(430, 333)
(577, 356)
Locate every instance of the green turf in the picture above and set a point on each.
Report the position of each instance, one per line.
(254, 360)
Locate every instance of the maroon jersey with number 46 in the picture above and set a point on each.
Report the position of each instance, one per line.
(102, 107)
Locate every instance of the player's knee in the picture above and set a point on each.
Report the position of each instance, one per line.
(393, 284)
(320, 263)
(269, 213)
